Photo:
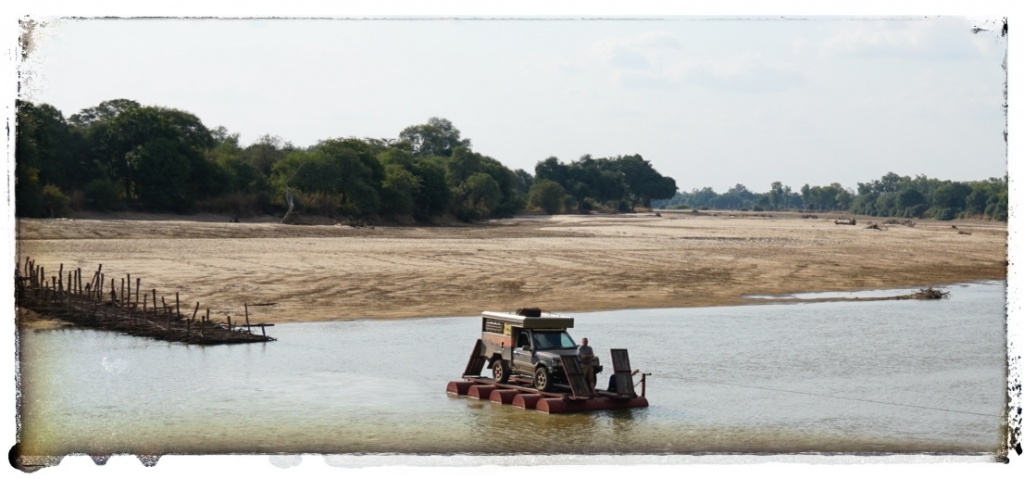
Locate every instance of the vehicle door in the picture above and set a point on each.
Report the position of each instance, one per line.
(522, 354)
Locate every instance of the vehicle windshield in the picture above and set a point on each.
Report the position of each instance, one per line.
(553, 340)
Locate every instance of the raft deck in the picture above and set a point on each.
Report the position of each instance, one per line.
(580, 398)
(547, 402)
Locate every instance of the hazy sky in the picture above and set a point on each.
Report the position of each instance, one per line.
(709, 102)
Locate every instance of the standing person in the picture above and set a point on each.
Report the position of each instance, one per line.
(586, 355)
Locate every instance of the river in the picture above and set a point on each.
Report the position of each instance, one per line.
(818, 377)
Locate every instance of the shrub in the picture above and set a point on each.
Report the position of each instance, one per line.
(238, 205)
(102, 195)
(55, 201)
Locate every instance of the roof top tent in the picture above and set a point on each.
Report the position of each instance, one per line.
(501, 322)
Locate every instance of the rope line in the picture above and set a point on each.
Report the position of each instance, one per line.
(830, 396)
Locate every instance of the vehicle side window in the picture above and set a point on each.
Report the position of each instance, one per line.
(523, 341)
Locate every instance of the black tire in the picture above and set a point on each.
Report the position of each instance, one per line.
(500, 371)
(542, 379)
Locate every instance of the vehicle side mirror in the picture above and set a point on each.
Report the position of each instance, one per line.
(526, 347)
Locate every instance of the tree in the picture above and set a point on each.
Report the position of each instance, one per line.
(43, 161)
(102, 113)
(434, 195)
(438, 137)
(910, 203)
(161, 169)
(398, 190)
(552, 169)
(524, 181)
(778, 196)
(547, 195)
(478, 196)
(343, 172)
(266, 151)
(643, 181)
(952, 195)
(462, 164)
(123, 141)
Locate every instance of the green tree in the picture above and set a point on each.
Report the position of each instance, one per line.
(910, 203)
(264, 152)
(103, 113)
(124, 140)
(643, 181)
(524, 181)
(399, 190)
(949, 200)
(547, 195)
(161, 169)
(552, 169)
(437, 137)
(478, 197)
(345, 170)
(777, 196)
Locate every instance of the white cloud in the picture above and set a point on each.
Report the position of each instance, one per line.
(952, 37)
(746, 72)
(642, 60)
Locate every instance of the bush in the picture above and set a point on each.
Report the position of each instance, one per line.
(55, 201)
(943, 214)
(78, 201)
(238, 205)
(548, 196)
(102, 195)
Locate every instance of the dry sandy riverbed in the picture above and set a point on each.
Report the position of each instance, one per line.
(562, 263)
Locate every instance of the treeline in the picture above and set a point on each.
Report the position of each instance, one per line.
(892, 195)
(120, 155)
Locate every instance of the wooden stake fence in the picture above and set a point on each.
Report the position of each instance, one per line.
(84, 304)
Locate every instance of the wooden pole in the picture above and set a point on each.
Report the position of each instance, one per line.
(122, 290)
(99, 277)
(138, 286)
(188, 324)
(247, 318)
(129, 297)
(60, 274)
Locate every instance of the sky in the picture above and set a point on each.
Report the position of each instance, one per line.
(709, 101)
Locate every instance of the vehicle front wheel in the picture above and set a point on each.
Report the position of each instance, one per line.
(542, 379)
(500, 370)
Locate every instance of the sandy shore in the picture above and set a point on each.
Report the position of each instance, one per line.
(562, 263)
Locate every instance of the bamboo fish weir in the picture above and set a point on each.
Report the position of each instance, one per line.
(125, 307)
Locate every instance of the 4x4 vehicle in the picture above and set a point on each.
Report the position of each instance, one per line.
(529, 345)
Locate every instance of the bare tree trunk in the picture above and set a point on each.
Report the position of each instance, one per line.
(291, 205)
